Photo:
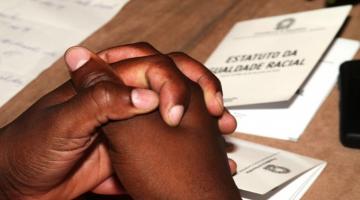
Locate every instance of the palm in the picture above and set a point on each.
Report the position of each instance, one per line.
(91, 171)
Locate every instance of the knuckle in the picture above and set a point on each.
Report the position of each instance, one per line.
(109, 97)
(105, 55)
(209, 79)
(179, 55)
(215, 80)
(205, 76)
(162, 60)
(182, 58)
(145, 47)
(101, 94)
(163, 69)
(95, 77)
(161, 65)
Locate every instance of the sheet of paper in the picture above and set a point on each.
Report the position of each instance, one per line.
(35, 33)
(268, 173)
(288, 120)
(294, 190)
(267, 60)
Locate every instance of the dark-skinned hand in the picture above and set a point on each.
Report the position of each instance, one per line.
(156, 161)
(53, 147)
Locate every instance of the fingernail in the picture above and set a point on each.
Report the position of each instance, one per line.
(175, 114)
(219, 99)
(76, 57)
(144, 99)
(232, 166)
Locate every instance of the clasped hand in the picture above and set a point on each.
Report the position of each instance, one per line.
(125, 109)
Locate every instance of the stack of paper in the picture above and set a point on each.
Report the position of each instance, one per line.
(288, 120)
(268, 72)
(35, 33)
(268, 173)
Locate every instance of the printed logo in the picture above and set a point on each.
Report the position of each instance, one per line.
(277, 169)
(285, 24)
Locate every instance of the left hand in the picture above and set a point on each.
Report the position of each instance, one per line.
(160, 63)
(156, 161)
(101, 182)
(141, 65)
(54, 149)
(146, 63)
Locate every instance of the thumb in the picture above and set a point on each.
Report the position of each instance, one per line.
(101, 95)
(96, 105)
(47, 143)
(87, 69)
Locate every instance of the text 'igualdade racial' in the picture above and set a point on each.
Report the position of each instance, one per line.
(260, 61)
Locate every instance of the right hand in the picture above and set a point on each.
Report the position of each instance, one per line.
(59, 114)
(153, 63)
(156, 161)
(142, 66)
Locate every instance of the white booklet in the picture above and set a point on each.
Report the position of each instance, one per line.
(288, 120)
(267, 60)
(269, 173)
(34, 34)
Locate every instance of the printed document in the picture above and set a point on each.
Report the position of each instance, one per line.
(268, 173)
(267, 60)
(35, 33)
(288, 120)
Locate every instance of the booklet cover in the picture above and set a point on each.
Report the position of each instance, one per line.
(267, 60)
(269, 173)
(288, 120)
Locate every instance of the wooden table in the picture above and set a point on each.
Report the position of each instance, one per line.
(196, 27)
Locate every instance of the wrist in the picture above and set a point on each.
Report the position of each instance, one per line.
(6, 190)
(9, 190)
(8, 186)
(4, 184)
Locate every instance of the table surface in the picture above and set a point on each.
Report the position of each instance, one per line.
(196, 27)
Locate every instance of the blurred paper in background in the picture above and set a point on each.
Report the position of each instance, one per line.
(35, 33)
